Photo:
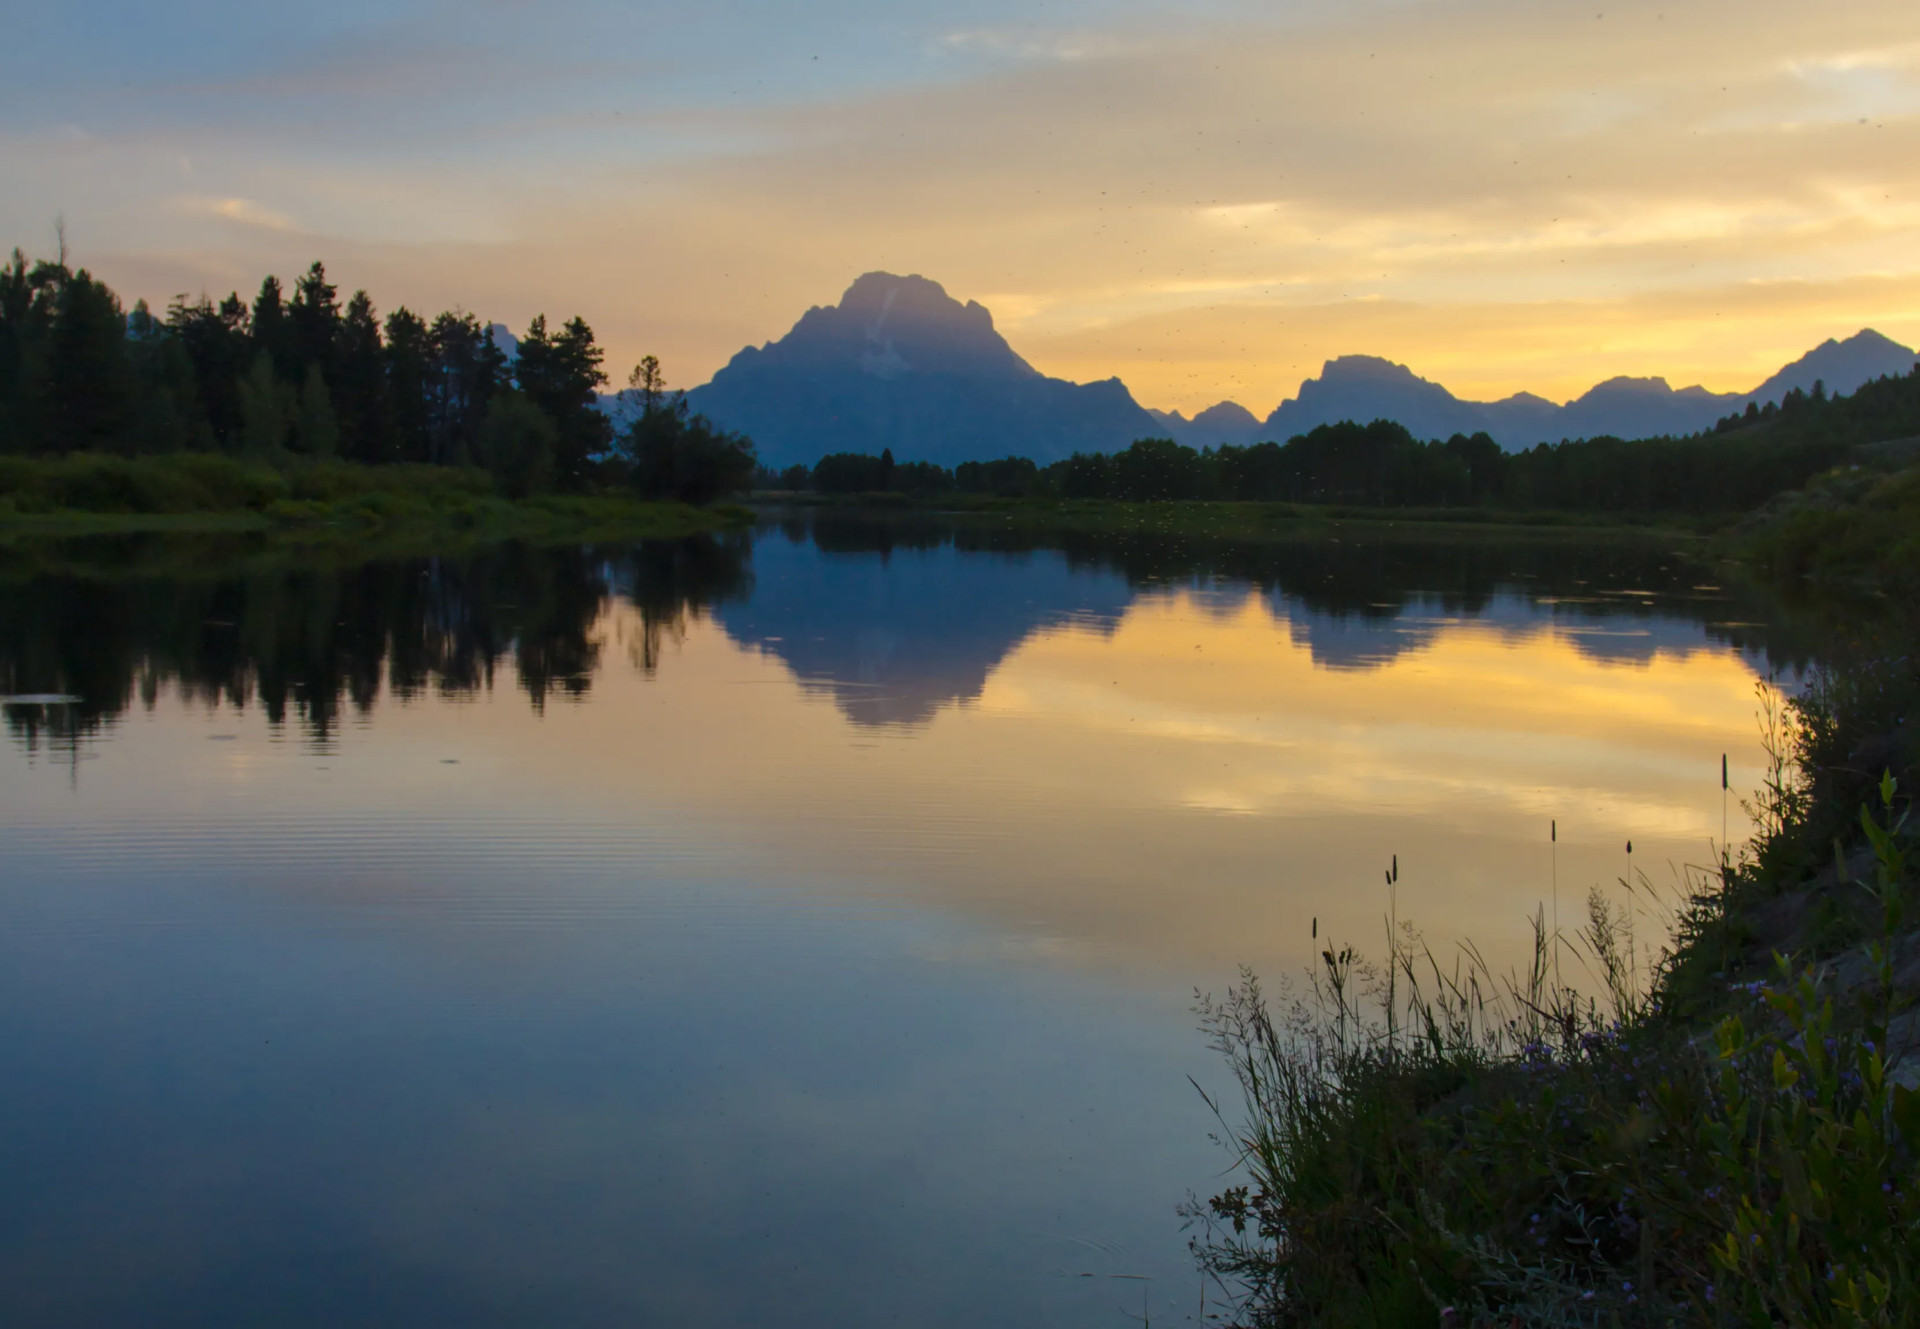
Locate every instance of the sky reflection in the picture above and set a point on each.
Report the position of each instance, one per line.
(808, 939)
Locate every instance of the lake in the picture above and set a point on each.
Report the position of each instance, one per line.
(799, 927)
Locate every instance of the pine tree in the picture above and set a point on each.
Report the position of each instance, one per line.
(89, 384)
(560, 374)
(360, 397)
(269, 329)
(316, 432)
(313, 322)
(267, 409)
(409, 366)
(216, 342)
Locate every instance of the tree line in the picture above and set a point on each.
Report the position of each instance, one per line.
(301, 376)
(1738, 464)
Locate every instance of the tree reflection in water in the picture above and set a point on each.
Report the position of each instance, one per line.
(107, 623)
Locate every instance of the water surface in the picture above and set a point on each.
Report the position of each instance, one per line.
(798, 928)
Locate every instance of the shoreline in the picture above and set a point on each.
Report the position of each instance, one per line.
(1235, 519)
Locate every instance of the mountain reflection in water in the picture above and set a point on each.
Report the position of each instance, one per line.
(790, 928)
(892, 619)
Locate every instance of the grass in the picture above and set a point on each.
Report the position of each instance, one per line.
(1725, 1137)
(331, 502)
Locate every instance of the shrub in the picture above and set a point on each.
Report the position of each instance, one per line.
(181, 482)
(517, 443)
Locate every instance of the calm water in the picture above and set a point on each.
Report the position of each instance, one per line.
(797, 929)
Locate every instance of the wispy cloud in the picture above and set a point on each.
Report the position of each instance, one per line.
(240, 211)
(1206, 200)
(1039, 44)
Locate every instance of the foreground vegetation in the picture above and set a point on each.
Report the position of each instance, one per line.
(1728, 1136)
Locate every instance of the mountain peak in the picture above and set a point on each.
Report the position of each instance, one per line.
(888, 326)
(1369, 369)
(898, 363)
(880, 295)
(1227, 415)
(1842, 366)
(1626, 385)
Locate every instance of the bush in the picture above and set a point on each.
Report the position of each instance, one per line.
(517, 443)
(178, 483)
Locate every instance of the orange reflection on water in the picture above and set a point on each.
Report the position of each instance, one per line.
(1162, 796)
(1189, 789)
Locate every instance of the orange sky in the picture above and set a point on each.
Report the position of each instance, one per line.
(1206, 199)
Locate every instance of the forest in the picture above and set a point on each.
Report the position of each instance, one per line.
(299, 376)
(1740, 463)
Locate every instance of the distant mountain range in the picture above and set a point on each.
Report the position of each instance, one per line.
(1363, 387)
(899, 364)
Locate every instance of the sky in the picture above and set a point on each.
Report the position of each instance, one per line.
(1207, 199)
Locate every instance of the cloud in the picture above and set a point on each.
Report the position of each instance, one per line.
(241, 211)
(1039, 44)
(1205, 201)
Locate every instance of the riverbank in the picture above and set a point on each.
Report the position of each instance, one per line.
(1726, 1134)
(197, 493)
(1227, 519)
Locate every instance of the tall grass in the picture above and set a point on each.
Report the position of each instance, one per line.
(1424, 1144)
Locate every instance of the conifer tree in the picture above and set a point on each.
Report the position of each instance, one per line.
(267, 409)
(316, 432)
(409, 365)
(361, 400)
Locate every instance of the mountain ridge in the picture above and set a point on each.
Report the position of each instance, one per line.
(1350, 386)
(900, 364)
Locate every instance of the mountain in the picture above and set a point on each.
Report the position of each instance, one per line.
(1365, 387)
(1227, 422)
(1842, 365)
(900, 364)
(1637, 408)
